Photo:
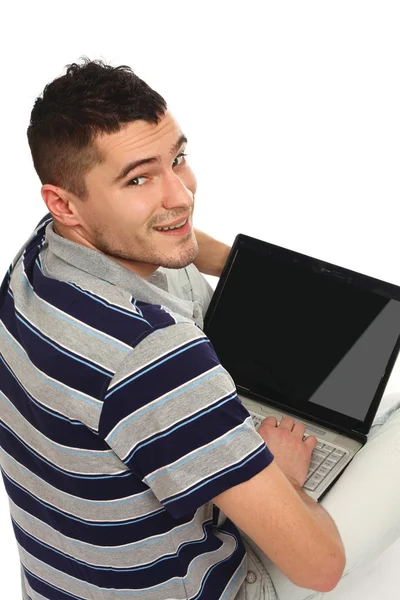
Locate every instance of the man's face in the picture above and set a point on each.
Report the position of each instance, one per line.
(126, 207)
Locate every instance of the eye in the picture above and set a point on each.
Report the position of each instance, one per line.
(180, 158)
(134, 182)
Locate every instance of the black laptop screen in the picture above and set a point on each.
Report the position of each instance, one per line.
(292, 332)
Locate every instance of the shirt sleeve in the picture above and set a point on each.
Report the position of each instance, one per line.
(172, 415)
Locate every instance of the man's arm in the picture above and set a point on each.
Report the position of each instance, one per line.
(295, 532)
(212, 255)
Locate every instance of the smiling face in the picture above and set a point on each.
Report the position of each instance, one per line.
(143, 186)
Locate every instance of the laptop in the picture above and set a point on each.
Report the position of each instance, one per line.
(308, 339)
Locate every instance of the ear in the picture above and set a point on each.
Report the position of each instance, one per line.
(61, 204)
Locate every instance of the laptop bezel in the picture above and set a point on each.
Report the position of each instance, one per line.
(342, 423)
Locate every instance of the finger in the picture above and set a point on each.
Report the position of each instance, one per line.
(311, 441)
(287, 423)
(271, 421)
(299, 429)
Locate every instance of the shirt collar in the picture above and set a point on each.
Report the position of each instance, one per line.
(71, 256)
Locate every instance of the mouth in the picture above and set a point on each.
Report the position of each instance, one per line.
(172, 227)
(175, 229)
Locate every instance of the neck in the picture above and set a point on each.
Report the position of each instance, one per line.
(144, 270)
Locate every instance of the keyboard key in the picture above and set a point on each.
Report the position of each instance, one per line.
(323, 470)
(323, 459)
(339, 452)
(311, 484)
(334, 457)
(329, 447)
(330, 463)
(317, 477)
(319, 455)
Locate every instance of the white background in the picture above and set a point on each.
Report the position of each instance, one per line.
(292, 111)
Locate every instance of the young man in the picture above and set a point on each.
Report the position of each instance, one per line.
(122, 436)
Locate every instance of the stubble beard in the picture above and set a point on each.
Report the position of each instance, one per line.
(184, 253)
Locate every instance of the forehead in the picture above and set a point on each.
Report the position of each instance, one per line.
(138, 139)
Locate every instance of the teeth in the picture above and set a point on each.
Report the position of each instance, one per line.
(173, 227)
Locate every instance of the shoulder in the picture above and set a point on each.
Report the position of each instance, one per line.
(173, 351)
(94, 319)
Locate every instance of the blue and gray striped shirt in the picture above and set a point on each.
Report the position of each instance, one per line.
(118, 426)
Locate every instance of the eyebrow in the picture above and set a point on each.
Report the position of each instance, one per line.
(148, 161)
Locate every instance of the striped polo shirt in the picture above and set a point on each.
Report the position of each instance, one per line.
(118, 426)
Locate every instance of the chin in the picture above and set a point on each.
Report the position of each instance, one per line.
(182, 260)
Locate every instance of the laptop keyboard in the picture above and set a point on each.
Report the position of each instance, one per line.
(323, 459)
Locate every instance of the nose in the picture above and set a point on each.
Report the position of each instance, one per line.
(175, 193)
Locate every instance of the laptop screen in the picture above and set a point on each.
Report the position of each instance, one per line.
(305, 334)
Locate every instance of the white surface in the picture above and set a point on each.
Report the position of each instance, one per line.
(378, 580)
(291, 110)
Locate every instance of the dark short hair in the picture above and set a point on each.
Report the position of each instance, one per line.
(90, 99)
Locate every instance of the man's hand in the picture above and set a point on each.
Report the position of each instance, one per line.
(212, 254)
(285, 441)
